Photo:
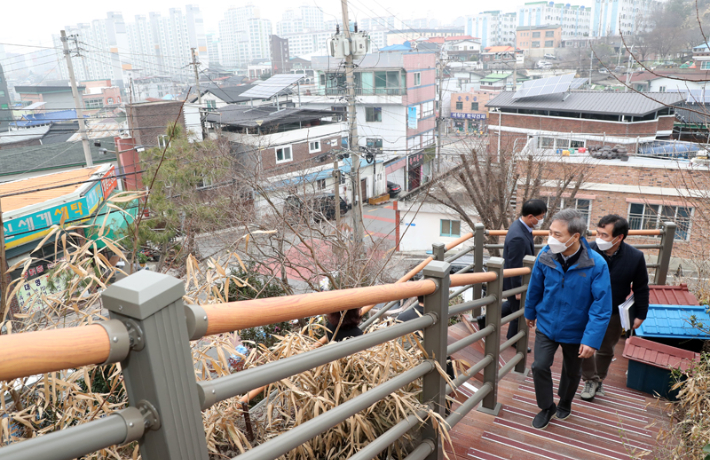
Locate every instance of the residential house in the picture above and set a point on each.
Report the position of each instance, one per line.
(46, 134)
(662, 80)
(502, 57)
(469, 113)
(280, 58)
(148, 121)
(581, 119)
(396, 91)
(99, 94)
(537, 41)
(56, 97)
(217, 98)
(155, 87)
(458, 47)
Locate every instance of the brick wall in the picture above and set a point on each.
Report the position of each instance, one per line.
(300, 154)
(148, 120)
(576, 125)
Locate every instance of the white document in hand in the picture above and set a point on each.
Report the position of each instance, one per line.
(625, 313)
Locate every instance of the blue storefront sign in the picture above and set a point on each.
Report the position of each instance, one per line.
(468, 116)
(35, 225)
(412, 117)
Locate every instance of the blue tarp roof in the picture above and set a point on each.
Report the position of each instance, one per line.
(312, 177)
(406, 46)
(674, 322)
(44, 118)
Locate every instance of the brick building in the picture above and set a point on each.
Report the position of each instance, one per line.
(581, 119)
(647, 192)
(468, 110)
(147, 121)
(537, 41)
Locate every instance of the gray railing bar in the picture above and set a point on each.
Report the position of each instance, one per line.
(459, 254)
(512, 316)
(78, 441)
(512, 341)
(293, 438)
(468, 340)
(460, 290)
(647, 246)
(379, 313)
(462, 307)
(470, 372)
(540, 246)
(422, 451)
(461, 411)
(652, 265)
(515, 291)
(510, 364)
(493, 246)
(389, 437)
(213, 391)
(465, 269)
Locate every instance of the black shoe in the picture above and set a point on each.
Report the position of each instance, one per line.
(564, 410)
(481, 320)
(542, 419)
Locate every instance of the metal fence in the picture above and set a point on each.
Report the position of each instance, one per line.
(150, 330)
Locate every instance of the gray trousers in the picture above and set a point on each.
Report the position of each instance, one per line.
(596, 368)
(545, 349)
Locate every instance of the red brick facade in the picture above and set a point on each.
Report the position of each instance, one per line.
(299, 152)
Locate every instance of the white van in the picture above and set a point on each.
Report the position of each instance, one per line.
(543, 65)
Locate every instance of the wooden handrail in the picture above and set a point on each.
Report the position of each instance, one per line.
(31, 353)
(464, 279)
(510, 272)
(228, 317)
(593, 232)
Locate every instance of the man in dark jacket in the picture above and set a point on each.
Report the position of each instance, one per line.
(569, 298)
(627, 269)
(519, 243)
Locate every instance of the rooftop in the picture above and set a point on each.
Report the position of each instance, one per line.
(45, 89)
(36, 119)
(231, 94)
(12, 203)
(498, 49)
(548, 27)
(62, 155)
(672, 295)
(684, 74)
(617, 103)
(264, 116)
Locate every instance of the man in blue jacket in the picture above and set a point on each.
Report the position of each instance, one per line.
(569, 298)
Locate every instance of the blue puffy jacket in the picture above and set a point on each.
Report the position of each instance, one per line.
(571, 307)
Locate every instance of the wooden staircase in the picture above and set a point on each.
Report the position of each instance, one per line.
(622, 424)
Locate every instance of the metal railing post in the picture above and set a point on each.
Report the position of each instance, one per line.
(435, 342)
(438, 251)
(479, 236)
(664, 254)
(490, 404)
(159, 371)
(522, 345)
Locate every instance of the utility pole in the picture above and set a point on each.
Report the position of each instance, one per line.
(352, 119)
(77, 101)
(515, 70)
(591, 65)
(439, 118)
(197, 77)
(336, 190)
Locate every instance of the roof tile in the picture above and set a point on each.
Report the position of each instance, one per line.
(672, 295)
(658, 354)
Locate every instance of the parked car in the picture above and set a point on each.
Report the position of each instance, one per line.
(317, 207)
(603, 70)
(543, 65)
(550, 56)
(393, 189)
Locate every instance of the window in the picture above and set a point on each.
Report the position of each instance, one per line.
(549, 43)
(459, 106)
(163, 141)
(94, 103)
(705, 65)
(2, 93)
(110, 101)
(536, 44)
(4, 106)
(417, 78)
(427, 109)
(450, 227)
(320, 184)
(374, 142)
(651, 216)
(550, 33)
(662, 89)
(283, 154)
(582, 205)
(322, 79)
(314, 147)
(373, 114)
(536, 34)
(474, 105)
(211, 105)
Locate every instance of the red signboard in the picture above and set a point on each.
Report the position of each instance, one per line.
(109, 182)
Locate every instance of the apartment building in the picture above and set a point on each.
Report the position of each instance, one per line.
(574, 20)
(537, 41)
(244, 36)
(494, 28)
(627, 17)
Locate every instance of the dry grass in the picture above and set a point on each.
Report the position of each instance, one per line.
(59, 400)
(689, 430)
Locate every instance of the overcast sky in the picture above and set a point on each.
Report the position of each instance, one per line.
(35, 22)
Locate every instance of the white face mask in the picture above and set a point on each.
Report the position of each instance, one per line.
(557, 246)
(605, 245)
(538, 225)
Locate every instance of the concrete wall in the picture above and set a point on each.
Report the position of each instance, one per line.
(420, 227)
